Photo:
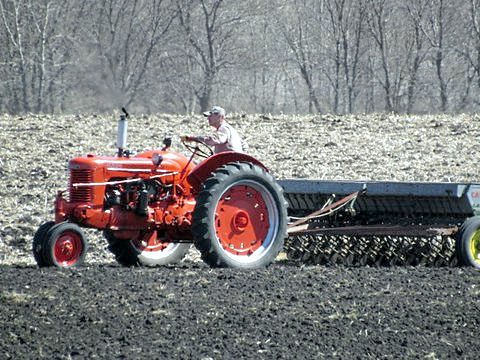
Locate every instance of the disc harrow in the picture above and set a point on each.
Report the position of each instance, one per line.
(380, 223)
(371, 250)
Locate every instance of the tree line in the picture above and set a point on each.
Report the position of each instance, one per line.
(253, 56)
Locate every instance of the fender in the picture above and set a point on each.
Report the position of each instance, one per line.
(204, 170)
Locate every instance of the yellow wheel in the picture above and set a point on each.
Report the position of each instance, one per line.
(475, 246)
(468, 243)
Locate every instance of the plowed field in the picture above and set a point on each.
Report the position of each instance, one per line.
(194, 312)
(288, 310)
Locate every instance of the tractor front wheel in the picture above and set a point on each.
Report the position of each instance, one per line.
(240, 217)
(468, 243)
(64, 245)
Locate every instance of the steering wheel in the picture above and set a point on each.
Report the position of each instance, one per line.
(201, 149)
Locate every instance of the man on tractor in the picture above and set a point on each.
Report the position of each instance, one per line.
(225, 138)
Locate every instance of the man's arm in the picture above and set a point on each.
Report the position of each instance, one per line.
(217, 138)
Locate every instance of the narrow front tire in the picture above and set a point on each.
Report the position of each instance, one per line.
(38, 242)
(65, 246)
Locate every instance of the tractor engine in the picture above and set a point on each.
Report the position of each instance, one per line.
(129, 196)
(134, 197)
(150, 200)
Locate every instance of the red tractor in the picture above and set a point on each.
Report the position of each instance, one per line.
(153, 205)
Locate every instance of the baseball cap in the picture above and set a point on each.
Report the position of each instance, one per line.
(215, 110)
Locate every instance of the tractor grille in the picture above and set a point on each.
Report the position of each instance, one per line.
(81, 193)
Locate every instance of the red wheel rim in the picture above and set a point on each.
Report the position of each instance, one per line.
(68, 248)
(242, 220)
(150, 242)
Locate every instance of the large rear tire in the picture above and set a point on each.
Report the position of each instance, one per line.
(147, 251)
(240, 217)
(468, 243)
(65, 246)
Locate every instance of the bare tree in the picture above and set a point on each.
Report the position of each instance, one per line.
(296, 28)
(263, 64)
(336, 10)
(251, 55)
(126, 35)
(38, 43)
(438, 25)
(13, 16)
(347, 27)
(65, 55)
(210, 29)
(51, 50)
(377, 24)
(415, 10)
(471, 52)
(475, 21)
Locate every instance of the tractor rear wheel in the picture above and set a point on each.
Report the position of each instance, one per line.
(145, 251)
(64, 246)
(38, 242)
(468, 243)
(240, 217)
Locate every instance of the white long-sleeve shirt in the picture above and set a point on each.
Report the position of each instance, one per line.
(226, 138)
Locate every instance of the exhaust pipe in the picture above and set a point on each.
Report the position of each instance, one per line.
(122, 133)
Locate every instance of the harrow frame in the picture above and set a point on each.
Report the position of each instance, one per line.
(380, 210)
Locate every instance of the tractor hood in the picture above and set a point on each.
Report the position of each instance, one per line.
(141, 163)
